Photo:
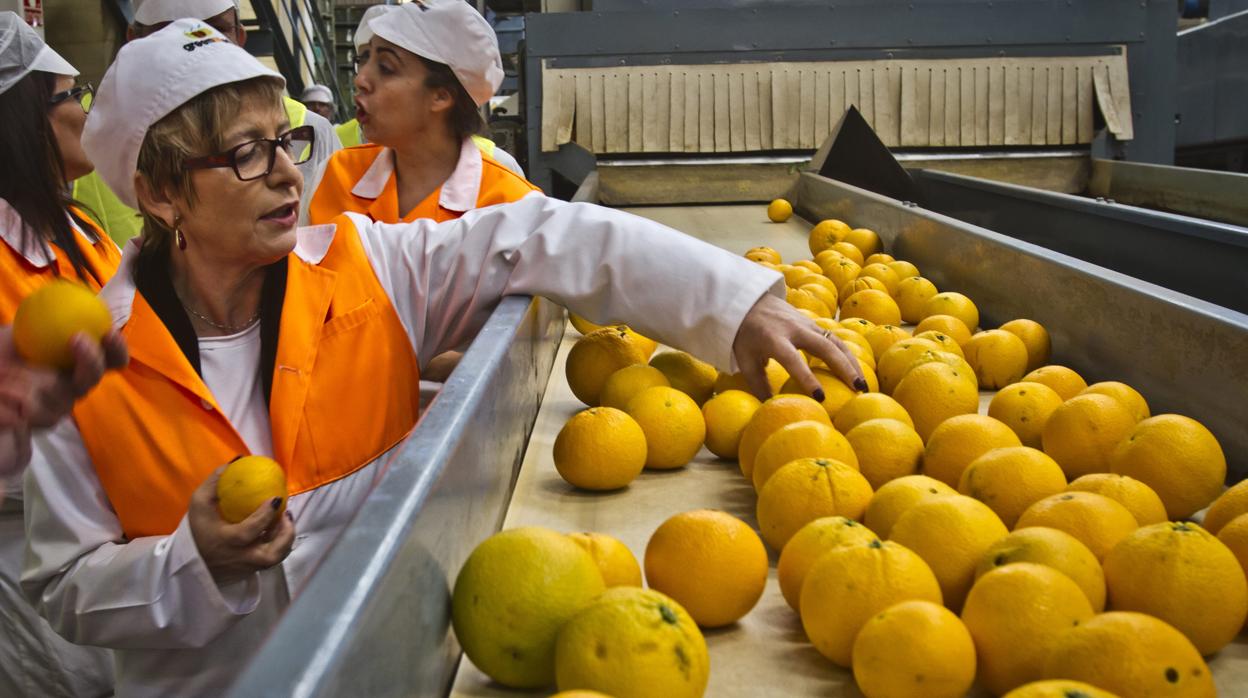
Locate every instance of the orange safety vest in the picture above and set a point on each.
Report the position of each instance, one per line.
(21, 277)
(345, 390)
(346, 167)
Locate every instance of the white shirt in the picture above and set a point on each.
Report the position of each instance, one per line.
(175, 631)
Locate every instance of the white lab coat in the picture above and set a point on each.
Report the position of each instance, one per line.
(174, 630)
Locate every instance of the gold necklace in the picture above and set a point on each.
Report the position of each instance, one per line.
(232, 329)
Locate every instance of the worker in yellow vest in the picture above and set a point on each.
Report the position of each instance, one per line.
(249, 335)
(423, 75)
(122, 222)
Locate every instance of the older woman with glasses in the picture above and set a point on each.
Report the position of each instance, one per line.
(44, 236)
(249, 335)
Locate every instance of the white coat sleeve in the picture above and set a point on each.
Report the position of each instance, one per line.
(93, 585)
(607, 265)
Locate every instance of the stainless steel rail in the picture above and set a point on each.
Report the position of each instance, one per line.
(1186, 355)
(374, 620)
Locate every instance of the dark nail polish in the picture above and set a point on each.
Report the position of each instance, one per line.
(818, 395)
(277, 502)
(860, 385)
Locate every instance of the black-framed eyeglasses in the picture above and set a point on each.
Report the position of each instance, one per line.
(255, 159)
(82, 94)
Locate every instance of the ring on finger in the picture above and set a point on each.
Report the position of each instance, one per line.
(827, 334)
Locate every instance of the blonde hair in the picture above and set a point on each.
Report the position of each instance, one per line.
(192, 130)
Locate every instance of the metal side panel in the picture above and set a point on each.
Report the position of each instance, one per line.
(1218, 196)
(1200, 258)
(374, 620)
(1185, 355)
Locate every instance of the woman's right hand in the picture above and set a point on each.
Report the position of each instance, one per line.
(237, 551)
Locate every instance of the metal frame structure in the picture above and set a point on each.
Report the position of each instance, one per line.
(688, 31)
(1212, 113)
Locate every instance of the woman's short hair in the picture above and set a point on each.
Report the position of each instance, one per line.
(465, 116)
(194, 129)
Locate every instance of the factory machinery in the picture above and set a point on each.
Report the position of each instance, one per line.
(691, 115)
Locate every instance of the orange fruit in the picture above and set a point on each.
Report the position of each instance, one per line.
(934, 392)
(710, 562)
(826, 257)
(959, 440)
(599, 354)
(585, 326)
(841, 271)
(690, 376)
(825, 234)
(887, 449)
(998, 358)
(896, 497)
(509, 629)
(880, 258)
(821, 292)
(1182, 574)
(881, 337)
(615, 561)
(1234, 535)
(1011, 479)
(808, 545)
(850, 584)
(1015, 614)
(862, 283)
(945, 324)
(1064, 381)
(873, 305)
(1128, 396)
(1034, 337)
(805, 439)
(903, 269)
(1138, 498)
(951, 534)
(805, 300)
(776, 376)
(48, 318)
(1082, 432)
(247, 484)
(896, 360)
(835, 392)
(795, 276)
(849, 336)
(726, 415)
(779, 211)
(850, 252)
(948, 358)
(1053, 548)
(914, 649)
(673, 426)
(600, 448)
(622, 385)
(579, 693)
(955, 304)
(1058, 688)
(1131, 654)
(860, 325)
(763, 254)
(866, 406)
(623, 644)
(944, 341)
(1025, 408)
(1096, 521)
(883, 273)
(808, 489)
(1176, 456)
(770, 416)
(865, 240)
(912, 294)
(809, 264)
(1229, 505)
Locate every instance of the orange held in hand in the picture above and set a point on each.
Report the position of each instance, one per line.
(247, 484)
(49, 318)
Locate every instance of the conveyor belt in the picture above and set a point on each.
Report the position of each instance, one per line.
(766, 653)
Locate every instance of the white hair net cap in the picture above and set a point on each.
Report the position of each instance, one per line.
(450, 32)
(317, 93)
(151, 12)
(363, 33)
(151, 78)
(22, 51)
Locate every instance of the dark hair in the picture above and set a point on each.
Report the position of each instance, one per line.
(465, 117)
(33, 178)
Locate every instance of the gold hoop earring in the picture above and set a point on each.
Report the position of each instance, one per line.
(178, 237)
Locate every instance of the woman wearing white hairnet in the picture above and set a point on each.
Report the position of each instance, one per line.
(425, 71)
(43, 237)
(250, 335)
